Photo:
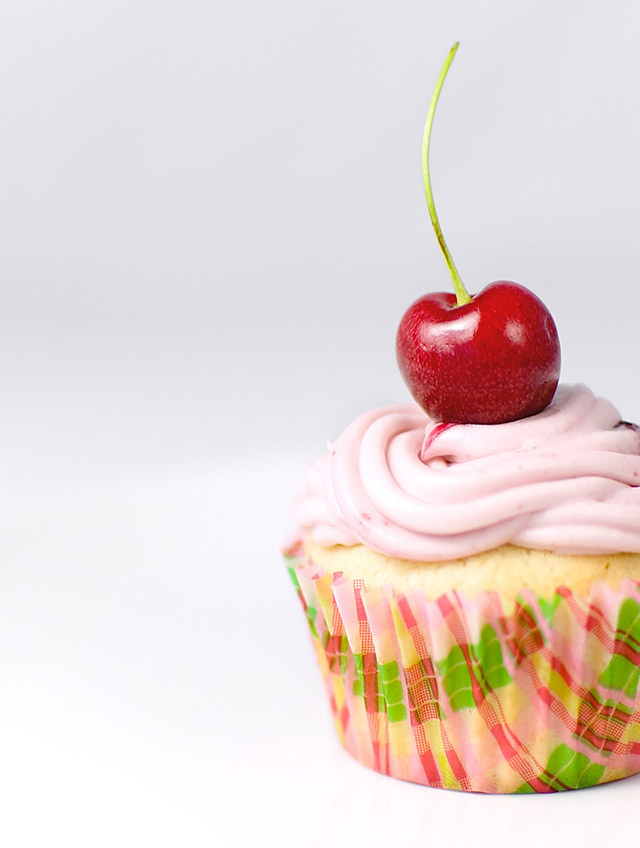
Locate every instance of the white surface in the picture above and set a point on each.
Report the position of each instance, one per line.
(212, 219)
(159, 688)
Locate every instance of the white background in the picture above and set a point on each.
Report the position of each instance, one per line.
(211, 222)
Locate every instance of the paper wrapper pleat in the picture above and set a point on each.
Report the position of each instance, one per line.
(457, 693)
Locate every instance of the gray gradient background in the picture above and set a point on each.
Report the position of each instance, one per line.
(211, 221)
(212, 214)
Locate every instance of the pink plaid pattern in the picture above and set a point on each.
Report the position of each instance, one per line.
(456, 693)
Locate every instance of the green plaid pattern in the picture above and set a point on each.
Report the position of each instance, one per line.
(457, 693)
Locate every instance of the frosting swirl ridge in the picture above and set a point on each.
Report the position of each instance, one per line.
(566, 479)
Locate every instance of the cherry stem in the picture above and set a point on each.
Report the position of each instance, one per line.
(462, 294)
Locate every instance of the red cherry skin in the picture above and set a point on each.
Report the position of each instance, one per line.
(492, 360)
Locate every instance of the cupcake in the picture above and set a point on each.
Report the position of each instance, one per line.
(470, 566)
(473, 595)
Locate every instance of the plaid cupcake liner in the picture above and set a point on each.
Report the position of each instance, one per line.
(457, 693)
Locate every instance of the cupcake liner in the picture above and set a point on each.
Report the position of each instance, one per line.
(461, 694)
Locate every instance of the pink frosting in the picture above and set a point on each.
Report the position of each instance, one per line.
(565, 480)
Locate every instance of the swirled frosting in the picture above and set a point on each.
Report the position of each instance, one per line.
(566, 480)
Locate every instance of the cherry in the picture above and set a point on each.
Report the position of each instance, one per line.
(486, 359)
(494, 359)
